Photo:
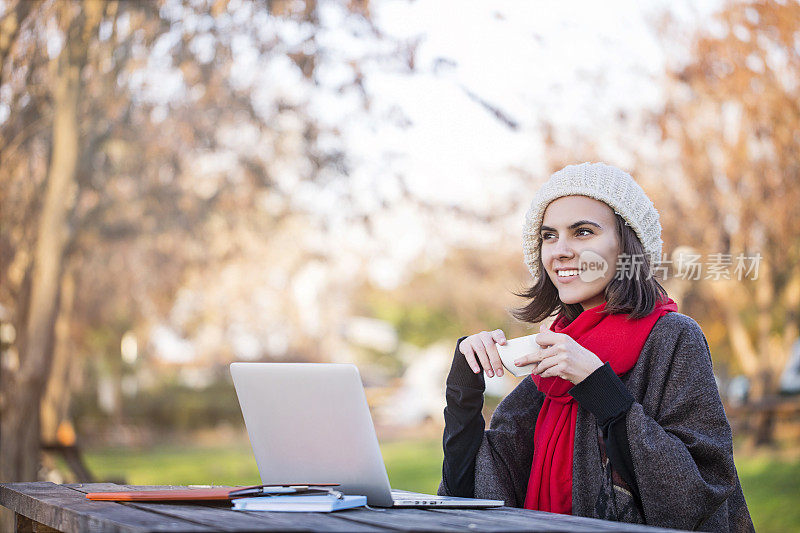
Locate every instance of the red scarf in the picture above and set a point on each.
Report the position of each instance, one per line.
(613, 339)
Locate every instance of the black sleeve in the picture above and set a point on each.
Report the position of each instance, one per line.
(604, 395)
(463, 427)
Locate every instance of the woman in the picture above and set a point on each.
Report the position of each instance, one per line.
(621, 418)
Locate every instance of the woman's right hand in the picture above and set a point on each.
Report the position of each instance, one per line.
(480, 348)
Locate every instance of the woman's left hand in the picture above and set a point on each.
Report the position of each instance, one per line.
(560, 356)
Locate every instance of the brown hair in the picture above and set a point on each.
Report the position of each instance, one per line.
(635, 295)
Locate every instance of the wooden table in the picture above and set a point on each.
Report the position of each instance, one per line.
(40, 506)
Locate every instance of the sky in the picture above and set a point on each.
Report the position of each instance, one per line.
(575, 65)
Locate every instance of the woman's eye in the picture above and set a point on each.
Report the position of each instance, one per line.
(546, 235)
(590, 232)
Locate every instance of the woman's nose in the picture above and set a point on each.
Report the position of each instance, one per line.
(563, 249)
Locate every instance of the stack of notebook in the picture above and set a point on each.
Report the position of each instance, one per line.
(297, 498)
(319, 503)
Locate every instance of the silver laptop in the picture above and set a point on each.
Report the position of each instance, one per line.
(310, 423)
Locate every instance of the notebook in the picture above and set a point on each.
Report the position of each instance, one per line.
(320, 503)
(207, 493)
(310, 423)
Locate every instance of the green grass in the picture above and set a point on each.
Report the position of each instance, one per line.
(772, 490)
(771, 486)
(411, 465)
(171, 465)
(414, 465)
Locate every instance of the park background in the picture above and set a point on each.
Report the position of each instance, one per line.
(184, 184)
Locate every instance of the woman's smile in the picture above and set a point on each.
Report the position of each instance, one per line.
(565, 276)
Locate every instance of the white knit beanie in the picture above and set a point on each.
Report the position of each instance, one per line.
(602, 182)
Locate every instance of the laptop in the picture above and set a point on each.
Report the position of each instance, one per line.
(309, 423)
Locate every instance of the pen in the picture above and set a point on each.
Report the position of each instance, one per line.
(285, 489)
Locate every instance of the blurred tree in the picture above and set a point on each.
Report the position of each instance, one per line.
(733, 116)
(23, 381)
(134, 152)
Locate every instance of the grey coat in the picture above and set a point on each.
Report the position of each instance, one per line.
(680, 443)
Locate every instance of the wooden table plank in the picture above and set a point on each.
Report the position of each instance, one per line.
(522, 520)
(406, 519)
(502, 519)
(221, 517)
(67, 510)
(527, 519)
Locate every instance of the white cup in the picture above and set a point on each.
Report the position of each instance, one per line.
(516, 348)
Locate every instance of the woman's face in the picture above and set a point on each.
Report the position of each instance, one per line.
(579, 239)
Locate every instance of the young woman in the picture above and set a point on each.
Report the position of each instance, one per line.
(621, 418)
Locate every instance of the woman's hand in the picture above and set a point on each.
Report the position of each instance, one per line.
(481, 346)
(560, 356)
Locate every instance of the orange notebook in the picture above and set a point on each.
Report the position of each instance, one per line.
(203, 494)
